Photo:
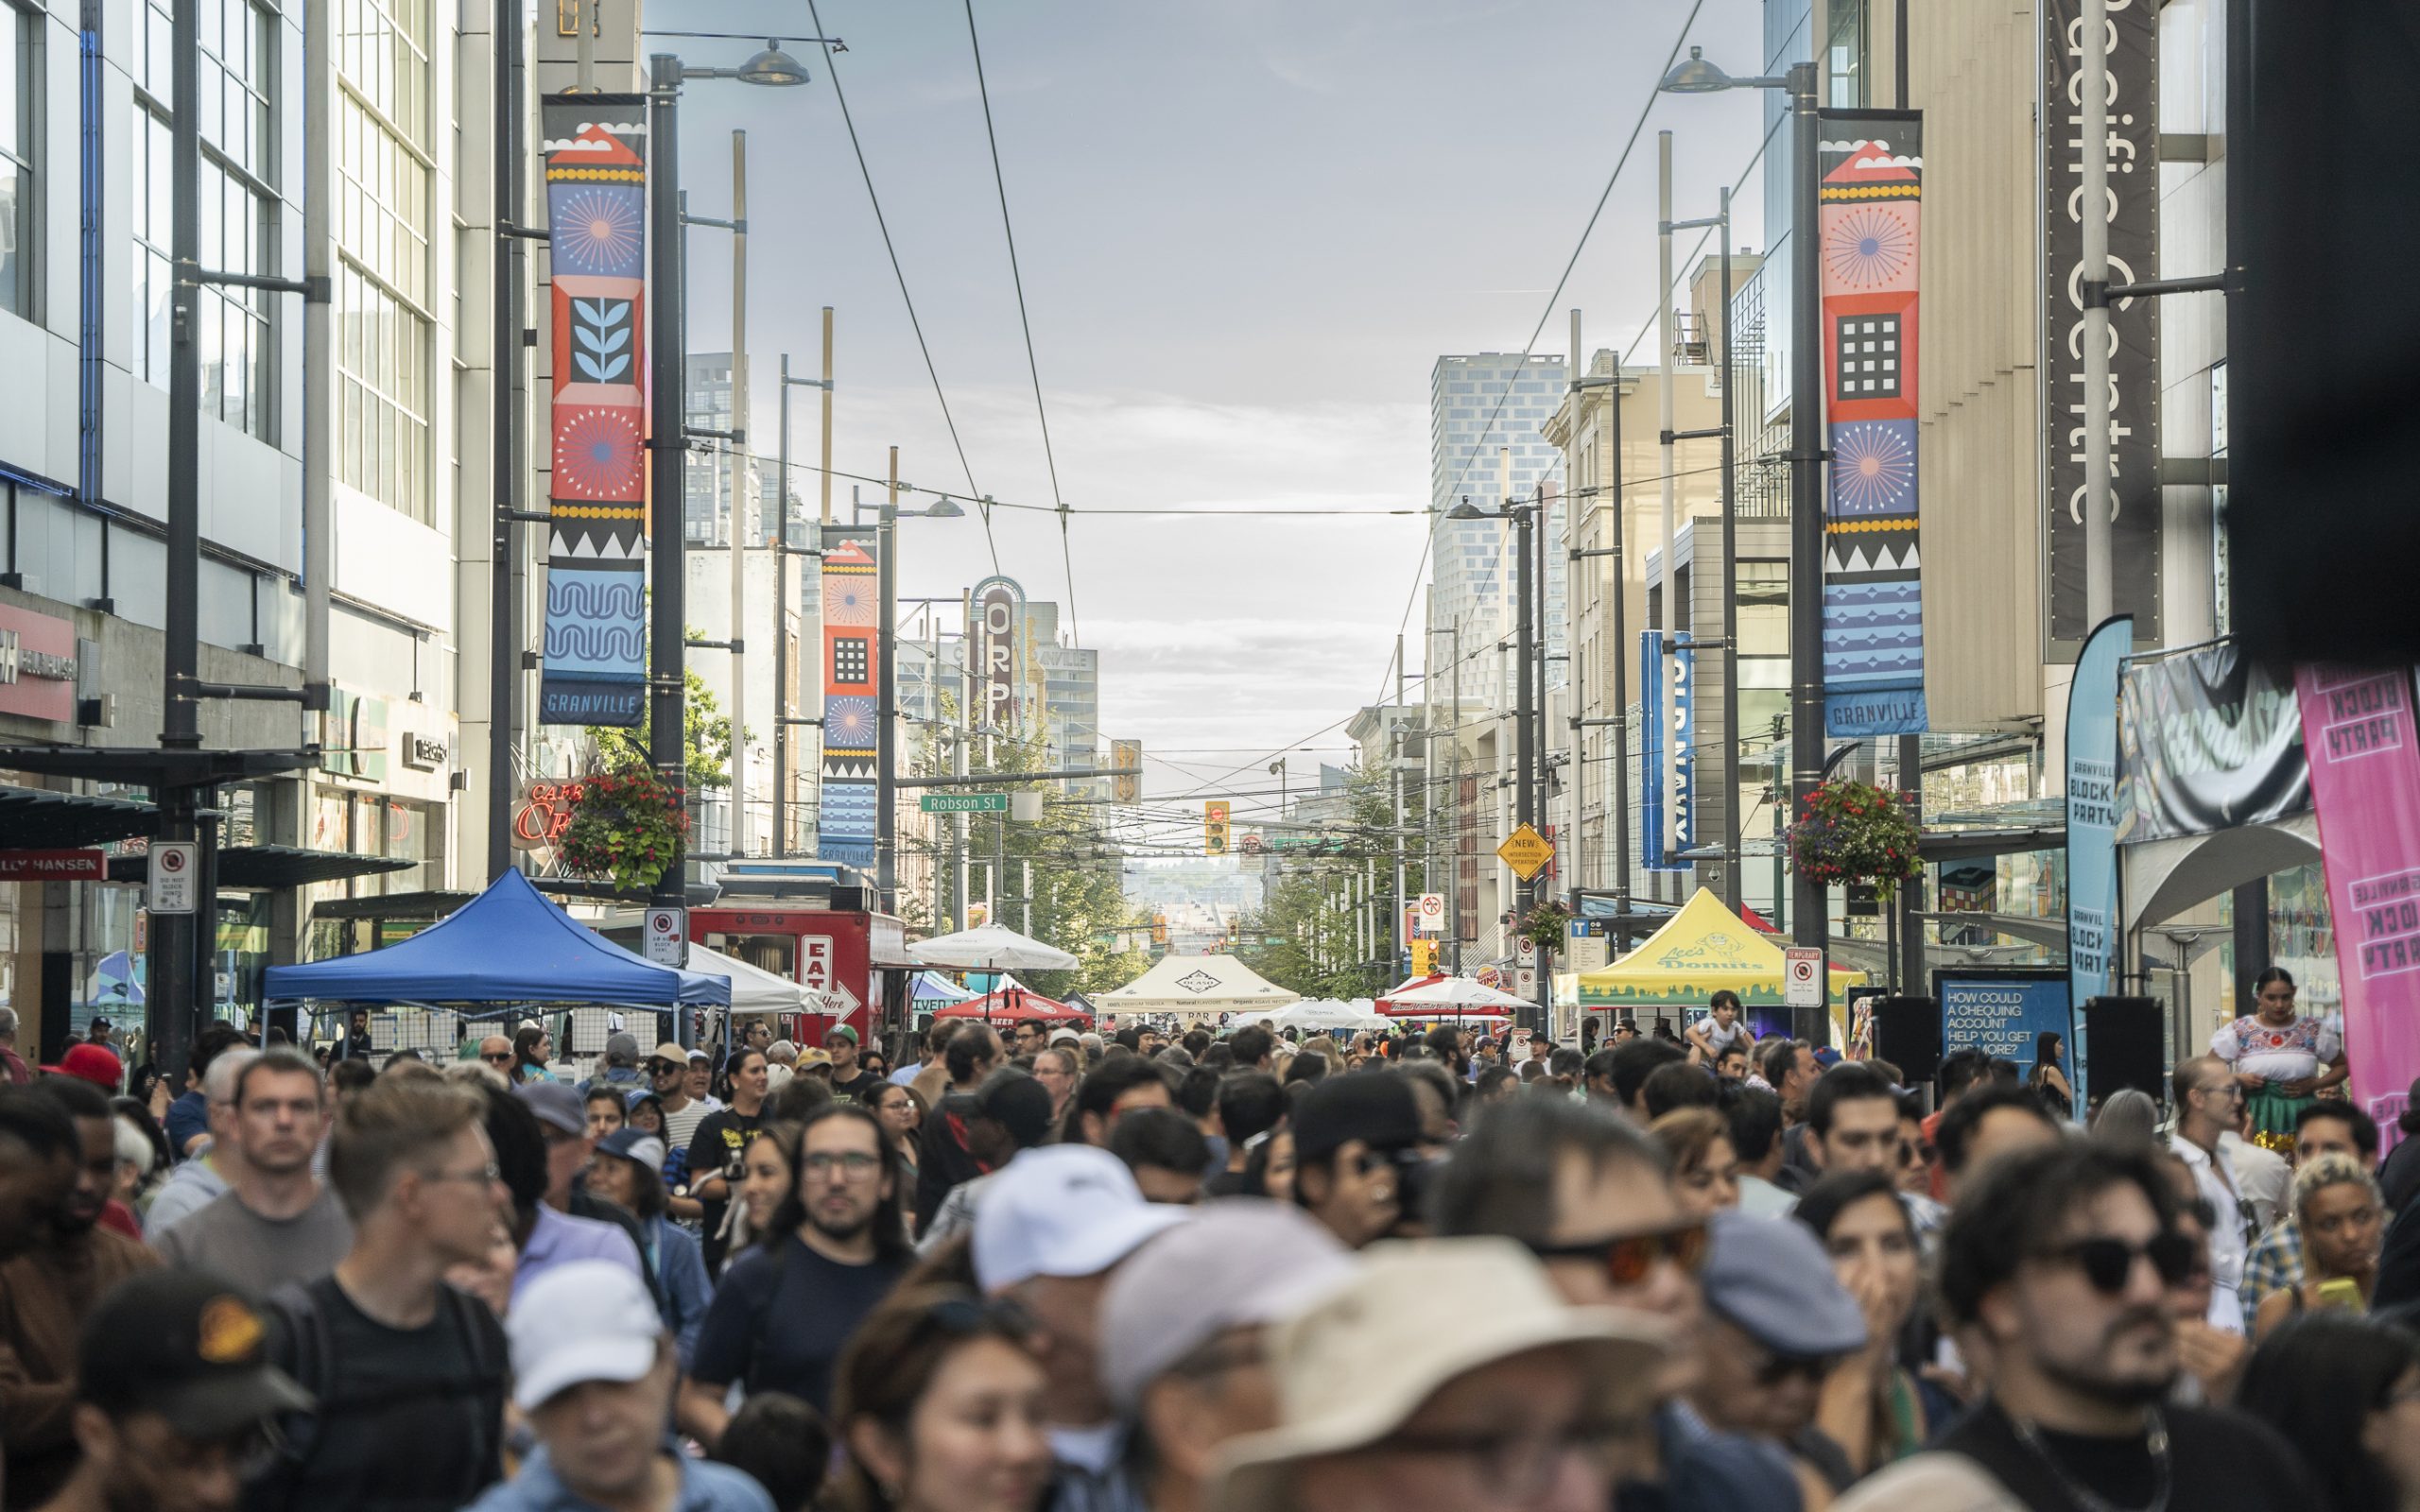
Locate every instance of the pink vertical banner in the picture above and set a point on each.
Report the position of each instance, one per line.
(2365, 782)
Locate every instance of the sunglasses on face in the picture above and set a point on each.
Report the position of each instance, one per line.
(500, 1058)
(2108, 1263)
(1630, 1259)
(1778, 1369)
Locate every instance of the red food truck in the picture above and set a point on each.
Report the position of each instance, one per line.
(813, 922)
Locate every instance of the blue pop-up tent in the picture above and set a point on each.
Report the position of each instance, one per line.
(508, 945)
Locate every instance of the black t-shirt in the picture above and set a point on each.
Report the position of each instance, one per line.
(2215, 1458)
(407, 1419)
(781, 1315)
(722, 1136)
(856, 1089)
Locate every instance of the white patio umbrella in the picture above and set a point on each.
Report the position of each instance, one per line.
(991, 948)
(1327, 1013)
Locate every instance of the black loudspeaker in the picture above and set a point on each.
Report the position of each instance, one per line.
(2124, 1046)
(1906, 1033)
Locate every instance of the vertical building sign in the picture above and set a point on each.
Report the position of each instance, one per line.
(1868, 215)
(2132, 209)
(995, 613)
(851, 701)
(2365, 781)
(596, 658)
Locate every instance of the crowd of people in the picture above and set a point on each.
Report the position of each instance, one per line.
(1180, 1270)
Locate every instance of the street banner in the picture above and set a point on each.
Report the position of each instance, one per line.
(2133, 210)
(2003, 1011)
(1664, 737)
(2365, 775)
(595, 646)
(852, 703)
(1869, 204)
(2207, 740)
(2092, 813)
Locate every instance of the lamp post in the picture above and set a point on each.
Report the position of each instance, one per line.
(885, 816)
(1525, 515)
(1809, 924)
(783, 719)
(667, 694)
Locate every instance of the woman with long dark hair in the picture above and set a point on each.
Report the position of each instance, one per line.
(2345, 1392)
(2049, 1077)
(531, 1048)
(722, 1140)
(939, 1401)
(835, 1247)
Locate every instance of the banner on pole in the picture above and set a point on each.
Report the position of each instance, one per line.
(2365, 777)
(1868, 215)
(2133, 210)
(2092, 813)
(1663, 735)
(852, 705)
(595, 646)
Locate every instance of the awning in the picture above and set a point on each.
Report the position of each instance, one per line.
(273, 866)
(34, 818)
(1196, 985)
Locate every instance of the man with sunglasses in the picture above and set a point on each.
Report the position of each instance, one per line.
(1777, 1322)
(174, 1398)
(496, 1053)
(1591, 1196)
(2055, 1270)
(2208, 1103)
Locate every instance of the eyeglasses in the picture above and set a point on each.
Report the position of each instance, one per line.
(1778, 1369)
(1629, 1259)
(485, 1175)
(500, 1058)
(1519, 1465)
(853, 1165)
(2107, 1263)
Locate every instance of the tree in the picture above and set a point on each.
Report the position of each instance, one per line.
(705, 733)
(1309, 936)
(1058, 877)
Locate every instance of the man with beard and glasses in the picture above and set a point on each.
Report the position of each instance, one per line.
(835, 1245)
(278, 1223)
(2055, 1267)
(48, 1291)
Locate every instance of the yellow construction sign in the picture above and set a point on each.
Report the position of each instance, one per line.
(1526, 852)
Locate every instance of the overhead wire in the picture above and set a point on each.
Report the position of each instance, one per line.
(916, 324)
(1033, 364)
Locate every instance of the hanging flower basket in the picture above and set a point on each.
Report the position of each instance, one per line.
(1544, 925)
(1855, 834)
(624, 825)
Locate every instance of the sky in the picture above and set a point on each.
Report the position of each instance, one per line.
(1247, 230)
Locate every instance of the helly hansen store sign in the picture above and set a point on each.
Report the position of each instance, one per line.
(37, 666)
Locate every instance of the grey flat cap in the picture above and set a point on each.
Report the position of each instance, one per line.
(1770, 1279)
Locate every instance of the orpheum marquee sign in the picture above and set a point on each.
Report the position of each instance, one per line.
(994, 616)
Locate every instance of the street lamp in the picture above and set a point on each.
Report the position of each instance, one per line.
(1808, 925)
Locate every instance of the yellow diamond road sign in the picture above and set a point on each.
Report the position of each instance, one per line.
(1526, 852)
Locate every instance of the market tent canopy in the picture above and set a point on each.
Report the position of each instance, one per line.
(1327, 1013)
(1449, 994)
(933, 987)
(506, 945)
(1704, 947)
(1197, 984)
(1014, 1006)
(753, 989)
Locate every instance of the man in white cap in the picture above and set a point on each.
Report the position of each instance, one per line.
(1538, 1411)
(1183, 1332)
(592, 1371)
(1051, 1227)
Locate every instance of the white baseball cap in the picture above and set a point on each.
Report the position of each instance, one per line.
(1062, 1210)
(583, 1320)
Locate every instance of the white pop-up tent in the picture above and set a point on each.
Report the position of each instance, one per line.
(1313, 1015)
(753, 989)
(1200, 984)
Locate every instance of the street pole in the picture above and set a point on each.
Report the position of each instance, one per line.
(1524, 747)
(1732, 863)
(2099, 594)
(1618, 662)
(504, 493)
(667, 694)
(173, 971)
(1809, 924)
(1669, 621)
(740, 480)
(885, 815)
(1454, 858)
(782, 619)
(1397, 912)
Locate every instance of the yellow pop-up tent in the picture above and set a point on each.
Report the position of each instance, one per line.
(1704, 947)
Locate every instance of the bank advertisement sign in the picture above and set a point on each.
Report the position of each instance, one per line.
(2003, 1012)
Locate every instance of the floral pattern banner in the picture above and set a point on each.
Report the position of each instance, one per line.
(595, 662)
(851, 698)
(1867, 217)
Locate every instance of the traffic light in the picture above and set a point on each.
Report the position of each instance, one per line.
(1214, 828)
(1127, 755)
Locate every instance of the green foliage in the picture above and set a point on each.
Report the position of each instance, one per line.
(1853, 832)
(625, 825)
(1079, 899)
(1546, 925)
(1308, 941)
